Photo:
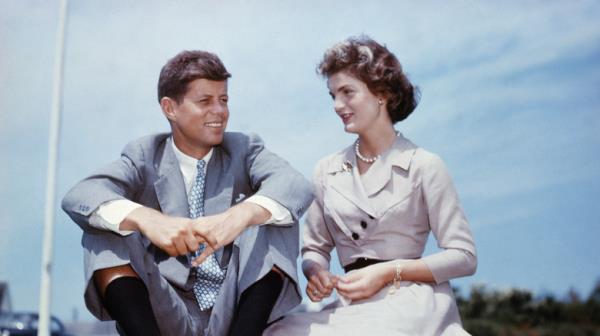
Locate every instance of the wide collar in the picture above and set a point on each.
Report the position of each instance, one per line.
(345, 178)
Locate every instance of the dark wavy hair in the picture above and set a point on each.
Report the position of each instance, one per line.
(186, 67)
(378, 68)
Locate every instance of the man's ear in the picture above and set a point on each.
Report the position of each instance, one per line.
(167, 105)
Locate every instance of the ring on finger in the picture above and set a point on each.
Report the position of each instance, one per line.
(316, 292)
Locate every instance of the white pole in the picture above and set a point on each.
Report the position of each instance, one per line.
(53, 137)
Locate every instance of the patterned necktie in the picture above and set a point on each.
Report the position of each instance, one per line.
(209, 275)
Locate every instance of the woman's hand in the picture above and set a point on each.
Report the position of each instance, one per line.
(365, 282)
(321, 283)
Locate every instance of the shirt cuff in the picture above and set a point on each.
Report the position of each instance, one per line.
(279, 214)
(109, 215)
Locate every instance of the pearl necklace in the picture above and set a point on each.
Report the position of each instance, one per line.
(364, 158)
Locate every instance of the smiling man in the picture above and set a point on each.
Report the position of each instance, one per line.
(195, 231)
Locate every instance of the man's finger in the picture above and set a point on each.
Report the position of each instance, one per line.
(203, 240)
(170, 249)
(191, 242)
(203, 234)
(180, 247)
(205, 254)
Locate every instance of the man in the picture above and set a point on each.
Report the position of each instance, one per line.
(153, 219)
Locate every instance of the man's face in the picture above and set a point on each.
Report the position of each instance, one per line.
(198, 122)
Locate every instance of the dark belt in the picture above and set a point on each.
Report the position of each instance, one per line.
(361, 263)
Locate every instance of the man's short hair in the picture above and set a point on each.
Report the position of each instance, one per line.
(186, 67)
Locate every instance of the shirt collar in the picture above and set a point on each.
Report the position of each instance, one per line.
(186, 162)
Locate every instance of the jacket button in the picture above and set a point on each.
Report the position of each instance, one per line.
(363, 224)
(355, 236)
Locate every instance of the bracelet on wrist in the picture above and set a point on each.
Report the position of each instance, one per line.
(397, 277)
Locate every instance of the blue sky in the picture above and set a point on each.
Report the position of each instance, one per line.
(510, 100)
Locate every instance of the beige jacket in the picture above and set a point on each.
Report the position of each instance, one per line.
(388, 212)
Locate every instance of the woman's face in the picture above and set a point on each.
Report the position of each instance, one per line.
(359, 109)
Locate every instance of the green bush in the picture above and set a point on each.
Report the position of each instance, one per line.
(517, 312)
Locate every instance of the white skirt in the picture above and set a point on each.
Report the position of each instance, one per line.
(414, 309)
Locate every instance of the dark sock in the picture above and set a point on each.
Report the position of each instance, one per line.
(127, 301)
(255, 306)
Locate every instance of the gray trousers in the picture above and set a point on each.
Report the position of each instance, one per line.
(252, 256)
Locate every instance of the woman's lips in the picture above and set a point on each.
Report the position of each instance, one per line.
(346, 117)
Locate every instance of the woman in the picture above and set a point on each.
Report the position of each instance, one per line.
(376, 202)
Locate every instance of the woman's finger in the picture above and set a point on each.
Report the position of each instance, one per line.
(349, 286)
(351, 277)
(313, 294)
(325, 281)
(315, 280)
(351, 293)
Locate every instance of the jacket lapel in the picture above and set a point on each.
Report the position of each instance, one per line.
(392, 176)
(378, 176)
(170, 188)
(172, 197)
(345, 180)
(218, 193)
(219, 183)
(399, 155)
(348, 183)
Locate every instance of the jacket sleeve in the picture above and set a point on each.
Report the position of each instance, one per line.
(120, 179)
(318, 242)
(273, 177)
(448, 224)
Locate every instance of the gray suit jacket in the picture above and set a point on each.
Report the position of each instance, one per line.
(148, 173)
